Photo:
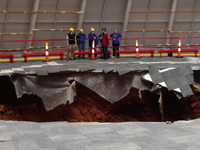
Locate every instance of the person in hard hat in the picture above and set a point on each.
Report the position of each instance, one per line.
(71, 43)
(81, 42)
(100, 42)
(115, 41)
(105, 43)
(92, 36)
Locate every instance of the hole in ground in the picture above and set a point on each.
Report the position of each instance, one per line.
(90, 107)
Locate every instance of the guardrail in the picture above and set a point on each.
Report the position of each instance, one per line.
(140, 46)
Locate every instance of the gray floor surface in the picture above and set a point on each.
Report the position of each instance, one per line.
(122, 66)
(95, 136)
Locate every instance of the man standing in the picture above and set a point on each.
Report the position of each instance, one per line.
(105, 43)
(100, 42)
(115, 41)
(71, 43)
(92, 36)
(81, 42)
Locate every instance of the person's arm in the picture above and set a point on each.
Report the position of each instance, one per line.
(90, 36)
(96, 40)
(78, 37)
(107, 36)
(75, 40)
(120, 36)
(99, 38)
(89, 39)
(67, 37)
(84, 37)
(111, 36)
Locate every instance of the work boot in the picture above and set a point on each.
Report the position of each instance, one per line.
(170, 54)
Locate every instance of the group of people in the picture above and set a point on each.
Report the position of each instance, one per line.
(103, 39)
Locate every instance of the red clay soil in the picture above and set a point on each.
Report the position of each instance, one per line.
(89, 107)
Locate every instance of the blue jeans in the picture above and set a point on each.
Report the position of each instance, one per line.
(81, 49)
(90, 47)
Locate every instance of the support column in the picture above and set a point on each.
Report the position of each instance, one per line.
(193, 21)
(171, 21)
(82, 14)
(102, 15)
(126, 19)
(5, 23)
(147, 22)
(33, 22)
(55, 22)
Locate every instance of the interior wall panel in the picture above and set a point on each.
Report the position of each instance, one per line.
(93, 10)
(14, 45)
(20, 5)
(113, 18)
(113, 7)
(49, 5)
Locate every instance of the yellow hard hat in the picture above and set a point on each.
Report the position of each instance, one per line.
(81, 30)
(71, 29)
(92, 29)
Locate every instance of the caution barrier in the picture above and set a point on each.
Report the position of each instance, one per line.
(93, 49)
(89, 53)
(25, 55)
(179, 48)
(47, 51)
(11, 56)
(137, 53)
(195, 51)
(172, 48)
(137, 48)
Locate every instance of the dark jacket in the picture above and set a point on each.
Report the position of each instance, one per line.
(101, 37)
(71, 39)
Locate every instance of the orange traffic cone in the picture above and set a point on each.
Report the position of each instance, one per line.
(137, 49)
(47, 51)
(93, 51)
(179, 49)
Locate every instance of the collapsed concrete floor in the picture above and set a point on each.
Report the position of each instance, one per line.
(90, 107)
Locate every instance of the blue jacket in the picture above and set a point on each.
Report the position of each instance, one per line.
(115, 38)
(81, 37)
(92, 37)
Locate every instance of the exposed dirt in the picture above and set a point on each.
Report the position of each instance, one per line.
(89, 107)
